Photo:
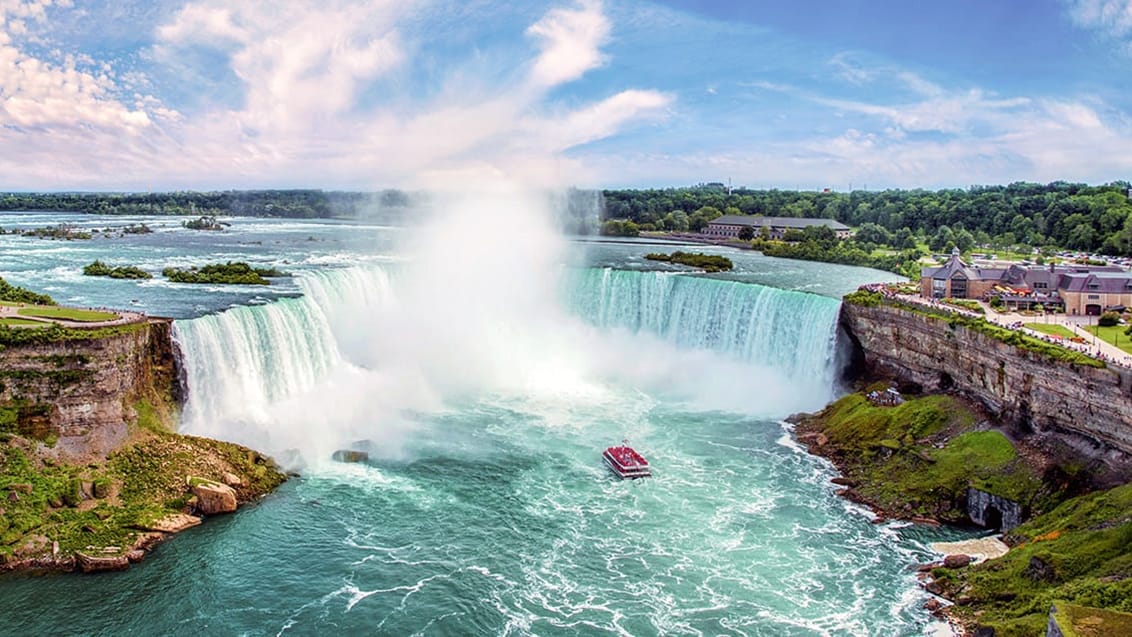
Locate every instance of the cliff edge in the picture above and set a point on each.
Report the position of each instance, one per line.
(91, 473)
(1035, 393)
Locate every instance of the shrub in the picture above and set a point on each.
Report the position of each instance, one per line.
(13, 294)
(231, 272)
(708, 262)
(1108, 319)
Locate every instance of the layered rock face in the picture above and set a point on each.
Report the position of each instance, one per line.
(1090, 408)
(80, 395)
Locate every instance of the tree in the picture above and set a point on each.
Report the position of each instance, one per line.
(964, 240)
(874, 233)
(943, 240)
(903, 239)
(746, 233)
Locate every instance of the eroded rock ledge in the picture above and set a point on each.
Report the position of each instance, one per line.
(105, 515)
(91, 475)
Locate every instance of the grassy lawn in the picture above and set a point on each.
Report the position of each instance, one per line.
(68, 313)
(1112, 335)
(19, 321)
(1051, 329)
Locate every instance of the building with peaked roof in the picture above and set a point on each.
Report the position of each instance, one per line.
(1079, 289)
(729, 226)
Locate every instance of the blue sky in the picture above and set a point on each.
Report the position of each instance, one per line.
(152, 95)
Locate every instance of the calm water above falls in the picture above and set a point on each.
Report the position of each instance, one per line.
(485, 509)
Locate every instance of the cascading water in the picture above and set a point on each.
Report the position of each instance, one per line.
(792, 332)
(255, 372)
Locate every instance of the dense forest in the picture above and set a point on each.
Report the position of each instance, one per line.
(248, 203)
(1018, 215)
(1059, 214)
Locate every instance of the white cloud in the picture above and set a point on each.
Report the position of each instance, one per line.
(308, 110)
(602, 119)
(946, 137)
(35, 93)
(571, 41)
(1112, 18)
(300, 63)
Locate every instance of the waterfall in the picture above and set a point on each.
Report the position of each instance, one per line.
(793, 332)
(239, 362)
(363, 345)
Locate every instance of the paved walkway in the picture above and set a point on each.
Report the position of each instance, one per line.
(1092, 346)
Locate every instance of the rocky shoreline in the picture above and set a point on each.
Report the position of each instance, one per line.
(106, 515)
(938, 459)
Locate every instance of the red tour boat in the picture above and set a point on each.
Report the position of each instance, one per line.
(626, 462)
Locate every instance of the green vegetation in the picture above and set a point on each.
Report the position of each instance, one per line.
(979, 324)
(102, 504)
(1080, 552)
(1052, 329)
(1108, 319)
(56, 333)
(820, 243)
(619, 228)
(206, 222)
(231, 272)
(1017, 217)
(23, 417)
(20, 321)
(1082, 621)
(1114, 335)
(12, 294)
(252, 203)
(966, 304)
(706, 262)
(98, 268)
(68, 314)
(919, 458)
(61, 231)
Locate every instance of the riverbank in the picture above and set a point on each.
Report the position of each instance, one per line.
(105, 514)
(91, 474)
(937, 459)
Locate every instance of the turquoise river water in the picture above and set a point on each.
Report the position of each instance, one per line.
(485, 378)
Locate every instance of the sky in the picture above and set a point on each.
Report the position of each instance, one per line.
(155, 95)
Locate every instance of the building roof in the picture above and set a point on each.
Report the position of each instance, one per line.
(1098, 282)
(776, 222)
(954, 265)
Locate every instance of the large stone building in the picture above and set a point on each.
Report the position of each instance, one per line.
(729, 226)
(1079, 289)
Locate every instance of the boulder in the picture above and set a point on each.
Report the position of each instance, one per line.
(213, 497)
(1039, 570)
(89, 564)
(232, 479)
(135, 556)
(172, 523)
(957, 561)
(350, 455)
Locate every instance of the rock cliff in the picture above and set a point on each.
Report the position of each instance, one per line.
(79, 396)
(1088, 408)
